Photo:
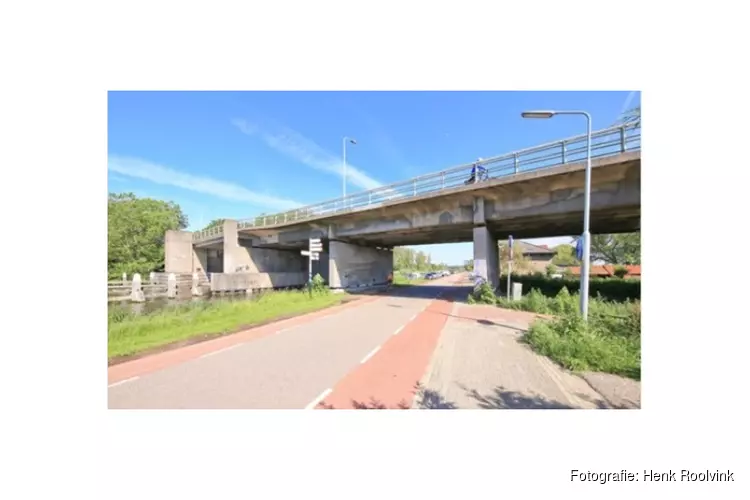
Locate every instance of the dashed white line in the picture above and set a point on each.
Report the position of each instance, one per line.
(371, 354)
(220, 350)
(399, 329)
(317, 400)
(131, 379)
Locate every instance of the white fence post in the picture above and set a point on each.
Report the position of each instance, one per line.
(136, 293)
(124, 279)
(196, 290)
(171, 286)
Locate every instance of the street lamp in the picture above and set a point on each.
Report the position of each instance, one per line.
(344, 141)
(585, 264)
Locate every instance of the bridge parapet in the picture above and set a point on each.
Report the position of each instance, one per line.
(606, 142)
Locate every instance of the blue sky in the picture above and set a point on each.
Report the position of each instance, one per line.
(238, 154)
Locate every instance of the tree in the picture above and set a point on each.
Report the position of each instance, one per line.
(620, 249)
(469, 265)
(214, 223)
(136, 227)
(521, 263)
(565, 255)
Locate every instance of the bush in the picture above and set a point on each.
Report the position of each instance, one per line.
(318, 285)
(620, 271)
(581, 346)
(609, 342)
(610, 289)
(483, 294)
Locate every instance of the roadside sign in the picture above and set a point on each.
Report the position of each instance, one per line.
(315, 245)
(312, 255)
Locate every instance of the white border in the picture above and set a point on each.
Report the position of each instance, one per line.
(62, 57)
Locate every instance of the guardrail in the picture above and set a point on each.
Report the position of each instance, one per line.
(606, 142)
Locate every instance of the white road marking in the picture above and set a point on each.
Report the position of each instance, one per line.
(131, 379)
(399, 329)
(317, 400)
(220, 350)
(372, 353)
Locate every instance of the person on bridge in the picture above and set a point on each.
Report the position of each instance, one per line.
(477, 171)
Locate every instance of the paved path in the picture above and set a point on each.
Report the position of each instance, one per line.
(416, 347)
(287, 367)
(480, 363)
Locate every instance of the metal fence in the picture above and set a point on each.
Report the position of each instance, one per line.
(607, 142)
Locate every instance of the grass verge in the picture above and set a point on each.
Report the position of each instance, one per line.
(131, 334)
(609, 342)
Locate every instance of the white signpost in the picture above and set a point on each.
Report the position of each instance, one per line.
(315, 246)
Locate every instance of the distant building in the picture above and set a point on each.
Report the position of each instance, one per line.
(540, 256)
(608, 271)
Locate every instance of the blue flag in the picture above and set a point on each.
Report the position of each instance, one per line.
(579, 248)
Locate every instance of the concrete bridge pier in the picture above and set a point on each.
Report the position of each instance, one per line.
(353, 266)
(486, 256)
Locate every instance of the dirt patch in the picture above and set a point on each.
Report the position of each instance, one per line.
(116, 360)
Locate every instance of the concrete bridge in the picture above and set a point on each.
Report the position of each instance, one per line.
(536, 192)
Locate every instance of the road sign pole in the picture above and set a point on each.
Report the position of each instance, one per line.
(510, 265)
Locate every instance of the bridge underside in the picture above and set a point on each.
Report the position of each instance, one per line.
(606, 221)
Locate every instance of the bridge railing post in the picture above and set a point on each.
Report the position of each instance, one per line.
(442, 180)
(563, 151)
(622, 139)
(515, 162)
(415, 187)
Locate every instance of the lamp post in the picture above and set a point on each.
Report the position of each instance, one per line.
(585, 264)
(343, 142)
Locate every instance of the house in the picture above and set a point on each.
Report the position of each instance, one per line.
(608, 271)
(539, 256)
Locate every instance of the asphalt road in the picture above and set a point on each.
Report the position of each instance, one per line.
(290, 368)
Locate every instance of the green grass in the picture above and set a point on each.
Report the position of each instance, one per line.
(586, 347)
(609, 342)
(130, 333)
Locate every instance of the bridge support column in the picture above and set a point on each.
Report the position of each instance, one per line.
(179, 254)
(486, 256)
(353, 266)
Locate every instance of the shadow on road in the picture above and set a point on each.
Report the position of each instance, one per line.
(501, 399)
(498, 399)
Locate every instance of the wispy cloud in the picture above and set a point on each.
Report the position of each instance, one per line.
(298, 147)
(160, 174)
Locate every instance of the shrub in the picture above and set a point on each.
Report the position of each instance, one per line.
(318, 285)
(579, 345)
(608, 288)
(620, 271)
(483, 294)
(550, 270)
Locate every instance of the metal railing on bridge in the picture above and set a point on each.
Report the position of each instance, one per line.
(607, 142)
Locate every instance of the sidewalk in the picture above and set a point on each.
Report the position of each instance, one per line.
(480, 363)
